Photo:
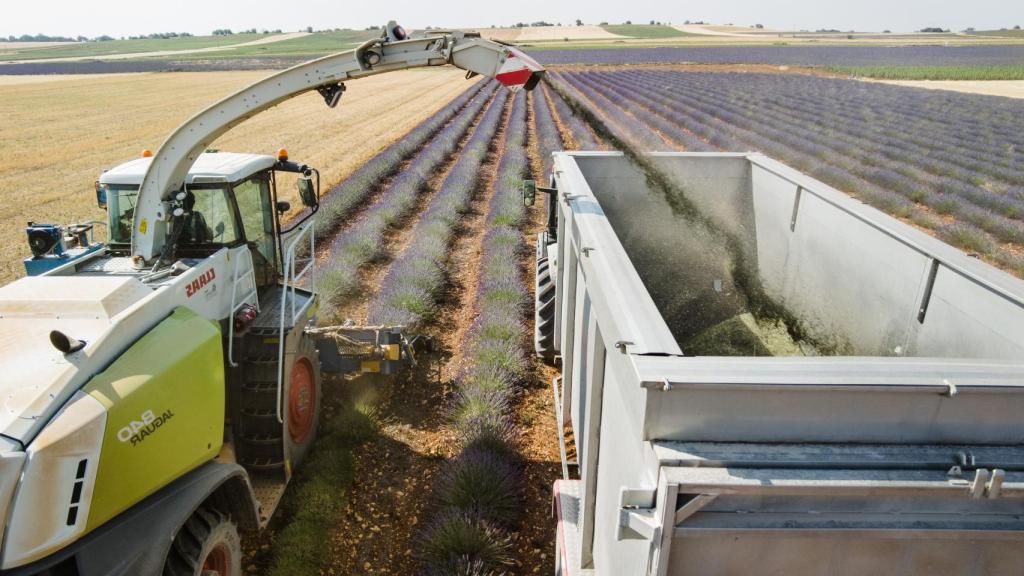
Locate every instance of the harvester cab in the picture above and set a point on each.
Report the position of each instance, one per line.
(161, 388)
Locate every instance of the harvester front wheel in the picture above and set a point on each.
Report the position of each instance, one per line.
(207, 544)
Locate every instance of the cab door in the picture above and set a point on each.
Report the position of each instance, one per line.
(255, 207)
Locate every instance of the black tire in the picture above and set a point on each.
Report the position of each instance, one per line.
(262, 443)
(544, 305)
(207, 542)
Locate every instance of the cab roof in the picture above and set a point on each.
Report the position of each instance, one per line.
(209, 167)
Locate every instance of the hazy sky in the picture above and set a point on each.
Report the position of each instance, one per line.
(124, 17)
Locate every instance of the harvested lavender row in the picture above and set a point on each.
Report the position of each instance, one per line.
(647, 112)
(584, 140)
(895, 187)
(634, 132)
(479, 492)
(856, 137)
(362, 243)
(548, 138)
(409, 292)
(339, 201)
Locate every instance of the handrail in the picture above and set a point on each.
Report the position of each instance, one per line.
(252, 294)
(289, 282)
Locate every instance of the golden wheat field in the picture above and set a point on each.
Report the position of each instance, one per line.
(58, 134)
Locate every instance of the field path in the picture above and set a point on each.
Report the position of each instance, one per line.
(712, 31)
(1006, 88)
(135, 55)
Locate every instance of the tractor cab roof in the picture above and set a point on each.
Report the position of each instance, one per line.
(210, 167)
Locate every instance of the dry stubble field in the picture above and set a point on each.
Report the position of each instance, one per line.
(58, 134)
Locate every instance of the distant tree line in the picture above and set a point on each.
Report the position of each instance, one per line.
(42, 38)
(230, 32)
(933, 29)
(161, 36)
(106, 38)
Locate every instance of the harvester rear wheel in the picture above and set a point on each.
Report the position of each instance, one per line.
(302, 401)
(262, 442)
(207, 544)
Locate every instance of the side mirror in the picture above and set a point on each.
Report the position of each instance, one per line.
(101, 196)
(307, 192)
(283, 206)
(529, 192)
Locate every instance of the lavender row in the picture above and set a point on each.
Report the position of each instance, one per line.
(997, 209)
(868, 182)
(930, 124)
(581, 136)
(825, 56)
(412, 286)
(341, 199)
(630, 129)
(548, 137)
(363, 242)
(856, 137)
(480, 490)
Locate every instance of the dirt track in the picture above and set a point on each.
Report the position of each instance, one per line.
(1007, 88)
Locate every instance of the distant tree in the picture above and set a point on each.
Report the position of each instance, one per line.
(603, 24)
(492, 26)
(579, 22)
(886, 31)
(759, 26)
(103, 38)
(309, 29)
(223, 32)
(628, 22)
(932, 29)
(1017, 27)
(969, 29)
(687, 22)
(652, 23)
(277, 31)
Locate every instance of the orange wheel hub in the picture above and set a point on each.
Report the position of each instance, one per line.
(301, 401)
(218, 561)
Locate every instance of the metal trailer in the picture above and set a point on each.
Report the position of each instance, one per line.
(897, 452)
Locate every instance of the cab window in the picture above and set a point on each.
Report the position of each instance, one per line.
(255, 210)
(253, 197)
(121, 204)
(211, 219)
